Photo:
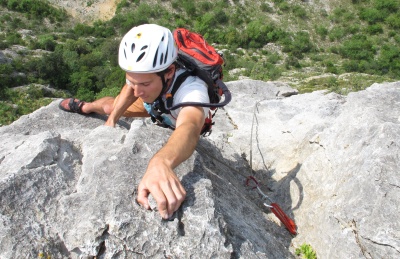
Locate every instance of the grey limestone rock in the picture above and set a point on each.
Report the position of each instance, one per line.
(68, 183)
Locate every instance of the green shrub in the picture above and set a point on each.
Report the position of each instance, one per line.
(393, 20)
(5, 79)
(220, 16)
(387, 6)
(330, 67)
(91, 60)
(292, 61)
(205, 6)
(83, 29)
(189, 7)
(265, 8)
(336, 33)
(21, 102)
(121, 5)
(83, 81)
(374, 29)
(389, 59)
(85, 94)
(372, 15)
(322, 31)
(45, 42)
(14, 38)
(358, 47)
(284, 6)
(16, 23)
(274, 58)
(53, 70)
(299, 11)
(351, 66)
(36, 9)
(80, 46)
(298, 44)
(337, 15)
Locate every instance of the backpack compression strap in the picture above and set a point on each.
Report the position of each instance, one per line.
(179, 81)
(158, 106)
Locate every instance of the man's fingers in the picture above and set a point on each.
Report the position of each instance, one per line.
(169, 199)
(168, 194)
(162, 203)
(172, 201)
(180, 195)
(142, 198)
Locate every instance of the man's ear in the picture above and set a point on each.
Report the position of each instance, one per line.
(171, 72)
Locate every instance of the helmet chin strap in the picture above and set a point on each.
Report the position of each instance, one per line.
(165, 84)
(164, 88)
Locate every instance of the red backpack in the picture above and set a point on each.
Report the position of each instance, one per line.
(202, 60)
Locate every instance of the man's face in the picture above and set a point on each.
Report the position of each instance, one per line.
(146, 86)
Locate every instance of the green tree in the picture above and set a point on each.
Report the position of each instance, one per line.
(5, 78)
(358, 47)
(393, 20)
(389, 59)
(45, 42)
(298, 44)
(52, 68)
(372, 15)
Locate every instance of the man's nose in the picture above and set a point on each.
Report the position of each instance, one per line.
(138, 91)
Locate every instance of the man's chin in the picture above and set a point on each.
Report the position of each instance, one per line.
(147, 100)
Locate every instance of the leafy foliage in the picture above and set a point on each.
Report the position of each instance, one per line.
(265, 40)
(306, 252)
(34, 8)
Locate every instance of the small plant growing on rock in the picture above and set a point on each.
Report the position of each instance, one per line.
(306, 251)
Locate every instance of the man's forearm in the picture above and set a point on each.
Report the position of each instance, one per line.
(160, 180)
(180, 145)
(125, 99)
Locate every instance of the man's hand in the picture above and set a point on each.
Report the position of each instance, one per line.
(159, 179)
(164, 186)
(109, 123)
(125, 98)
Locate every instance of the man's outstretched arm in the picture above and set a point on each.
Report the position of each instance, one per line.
(160, 179)
(126, 98)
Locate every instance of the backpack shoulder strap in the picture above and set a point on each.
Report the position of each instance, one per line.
(178, 82)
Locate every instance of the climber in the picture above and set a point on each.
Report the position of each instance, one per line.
(147, 53)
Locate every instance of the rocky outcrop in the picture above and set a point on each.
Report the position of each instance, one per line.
(88, 11)
(67, 183)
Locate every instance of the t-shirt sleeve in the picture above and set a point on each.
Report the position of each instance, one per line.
(192, 90)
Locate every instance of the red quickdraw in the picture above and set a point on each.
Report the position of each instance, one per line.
(288, 222)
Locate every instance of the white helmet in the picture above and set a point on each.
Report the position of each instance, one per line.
(148, 48)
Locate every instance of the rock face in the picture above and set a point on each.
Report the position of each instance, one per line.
(67, 183)
(88, 11)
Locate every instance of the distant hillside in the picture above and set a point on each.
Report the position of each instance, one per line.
(340, 45)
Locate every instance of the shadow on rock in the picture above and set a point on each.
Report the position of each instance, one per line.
(247, 224)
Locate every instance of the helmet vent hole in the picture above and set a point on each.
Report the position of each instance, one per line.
(144, 47)
(133, 47)
(125, 54)
(162, 39)
(155, 59)
(140, 57)
(161, 58)
(166, 55)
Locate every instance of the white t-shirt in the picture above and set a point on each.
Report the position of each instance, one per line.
(193, 89)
